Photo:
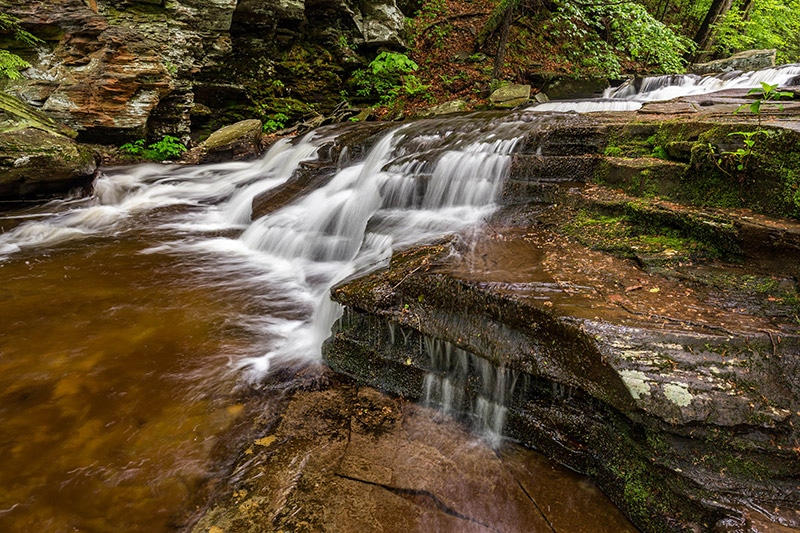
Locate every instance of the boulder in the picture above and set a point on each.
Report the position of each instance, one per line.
(236, 141)
(511, 95)
(454, 106)
(35, 163)
(380, 22)
(745, 61)
(37, 155)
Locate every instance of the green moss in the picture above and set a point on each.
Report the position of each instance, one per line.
(636, 229)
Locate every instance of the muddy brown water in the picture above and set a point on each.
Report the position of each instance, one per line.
(116, 382)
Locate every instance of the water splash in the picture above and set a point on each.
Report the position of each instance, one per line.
(460, 383)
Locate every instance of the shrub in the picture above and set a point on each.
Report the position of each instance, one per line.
(384, 77)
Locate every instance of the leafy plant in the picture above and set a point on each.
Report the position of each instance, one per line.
(168, 147)
(275, 123)
(742, 155)
(760, 24)
(386, 75)
(767, 95)
(601, 35)
(11, 64)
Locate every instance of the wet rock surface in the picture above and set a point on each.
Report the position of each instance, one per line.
(321, 454)
(653, 338)
(38, 156)
(242, 140)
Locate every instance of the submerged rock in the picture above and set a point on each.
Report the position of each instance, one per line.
(336, 457)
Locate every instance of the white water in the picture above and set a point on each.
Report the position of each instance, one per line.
(418, 182)
(447, 387)
(632, 94)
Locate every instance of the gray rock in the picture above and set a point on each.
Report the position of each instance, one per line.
(236, 141)
(454, 106)
(511, 95)
(746, 61)
(379, 21)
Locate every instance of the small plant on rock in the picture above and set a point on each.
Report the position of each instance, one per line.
(767, 95)
(168, 147)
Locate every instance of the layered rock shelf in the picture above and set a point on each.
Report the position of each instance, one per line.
(652, 339)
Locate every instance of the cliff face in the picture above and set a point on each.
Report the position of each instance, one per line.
(118, 70)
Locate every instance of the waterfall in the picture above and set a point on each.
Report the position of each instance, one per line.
(632, 94)
(460, 383)
(418, 182)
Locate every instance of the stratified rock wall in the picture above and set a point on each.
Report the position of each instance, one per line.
(118, 70)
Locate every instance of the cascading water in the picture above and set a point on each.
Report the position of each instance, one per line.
(632, 94)
(417, 182)
(448, 387)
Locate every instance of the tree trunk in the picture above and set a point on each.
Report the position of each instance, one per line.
(703, 37)
(501, 46)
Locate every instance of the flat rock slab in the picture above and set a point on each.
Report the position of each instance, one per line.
(342, 458)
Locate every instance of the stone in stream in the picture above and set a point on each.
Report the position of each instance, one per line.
(330, 456)
(37, 154)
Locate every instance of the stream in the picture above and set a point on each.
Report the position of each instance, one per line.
(132, 317)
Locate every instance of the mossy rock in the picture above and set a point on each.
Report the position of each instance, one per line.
(36, 163)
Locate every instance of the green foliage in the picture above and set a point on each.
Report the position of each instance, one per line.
(275, 123)
(767, 94)
(602, 36)
(741, 156)
(168, 147)
(11, 64)
(386, 76)
(659, 152)
(767, 24)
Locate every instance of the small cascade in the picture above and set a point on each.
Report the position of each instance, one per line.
(632, 94)
(418, 182)
(460, 383)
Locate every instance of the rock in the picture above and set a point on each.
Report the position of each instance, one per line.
(561, 87)
(380, 22)
(511, 95)
(745, 61)
(541, 98)
(651, 339)
(454, 106)
(338, 457)
(106, 70)
(35, 163)
(37, 155)
(237, 141)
